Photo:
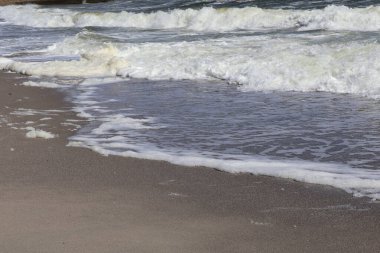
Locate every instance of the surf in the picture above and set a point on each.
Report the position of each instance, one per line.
(204, 19)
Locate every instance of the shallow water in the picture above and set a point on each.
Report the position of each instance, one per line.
(278, 88)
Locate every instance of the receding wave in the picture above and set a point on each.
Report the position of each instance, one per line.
(360, 182)
(204, 19)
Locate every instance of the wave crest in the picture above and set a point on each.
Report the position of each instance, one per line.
(259, 64)
(204, 19)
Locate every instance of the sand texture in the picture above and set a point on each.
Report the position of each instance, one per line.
(55, 198)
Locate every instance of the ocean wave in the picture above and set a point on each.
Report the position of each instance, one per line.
(118, 133)
(204, 19)
(257, 64)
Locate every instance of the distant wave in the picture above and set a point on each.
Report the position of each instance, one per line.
(204, 19)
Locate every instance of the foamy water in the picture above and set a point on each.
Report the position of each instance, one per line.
(290, 63)
(282, 88)
(204, 19)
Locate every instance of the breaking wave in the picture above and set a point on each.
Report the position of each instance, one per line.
(260, 64)
(204, 19)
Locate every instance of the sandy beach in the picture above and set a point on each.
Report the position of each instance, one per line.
(55, 198)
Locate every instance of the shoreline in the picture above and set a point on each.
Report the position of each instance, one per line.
(55, 198)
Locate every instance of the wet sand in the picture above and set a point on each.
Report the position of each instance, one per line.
(55, 198)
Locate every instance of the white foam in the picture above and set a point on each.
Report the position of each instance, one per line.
(205, 19)
(25, 112)
(119, 123)
(37, 133)
(31, 112)
(257, 63)
(115, 135)
(93, 64)
(359, 182)
(41, 84)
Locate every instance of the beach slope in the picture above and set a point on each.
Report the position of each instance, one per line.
(55, 198)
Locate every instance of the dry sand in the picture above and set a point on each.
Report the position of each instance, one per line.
(59, 199)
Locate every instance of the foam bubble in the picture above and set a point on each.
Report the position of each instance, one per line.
(37, 133)
(41, 84)
(119, 123)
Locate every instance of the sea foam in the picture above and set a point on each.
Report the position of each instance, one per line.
(37, 133)
(41, 84)
(257, 64)
(359, 182)
(204, 19)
